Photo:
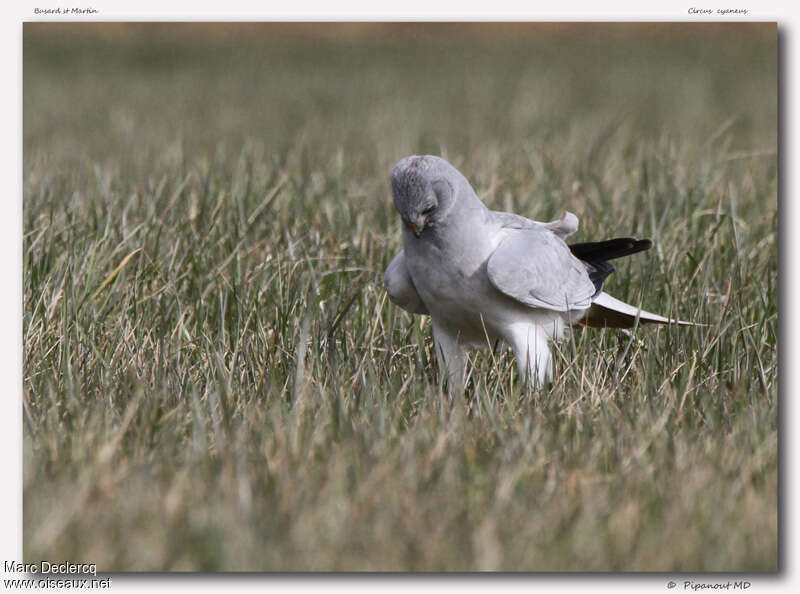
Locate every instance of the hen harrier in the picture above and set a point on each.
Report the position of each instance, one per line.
(484, 275)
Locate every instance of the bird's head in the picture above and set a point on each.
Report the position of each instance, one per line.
(425, 189)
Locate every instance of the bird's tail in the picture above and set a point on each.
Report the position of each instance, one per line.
(607, 312)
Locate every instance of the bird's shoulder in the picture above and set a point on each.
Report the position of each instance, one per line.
(400, 286)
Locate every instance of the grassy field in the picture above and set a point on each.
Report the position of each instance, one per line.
(215, 380)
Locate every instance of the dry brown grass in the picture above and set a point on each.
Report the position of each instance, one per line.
(240, 395)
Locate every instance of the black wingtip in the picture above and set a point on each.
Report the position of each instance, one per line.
(596, 255)
(610, 249)
(635, 246)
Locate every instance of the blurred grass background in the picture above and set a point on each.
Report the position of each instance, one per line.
(214, 379)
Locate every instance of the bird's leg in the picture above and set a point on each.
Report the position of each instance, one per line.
(531, 344)
(451, 356)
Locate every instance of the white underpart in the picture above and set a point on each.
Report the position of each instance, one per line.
(530, 338)
(451, 356)
(531, 342)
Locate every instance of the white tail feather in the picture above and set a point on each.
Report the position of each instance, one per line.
(613, 313)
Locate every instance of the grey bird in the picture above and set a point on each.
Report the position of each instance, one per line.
(485, 276)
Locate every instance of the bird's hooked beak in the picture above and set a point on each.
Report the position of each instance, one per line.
(417, 224)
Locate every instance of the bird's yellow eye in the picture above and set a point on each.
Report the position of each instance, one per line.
(429, 210)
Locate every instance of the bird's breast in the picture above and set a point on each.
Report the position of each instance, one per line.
(450, 281)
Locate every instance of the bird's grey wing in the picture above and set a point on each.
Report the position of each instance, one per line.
(400, 287)
(563, 227)
(536, 267)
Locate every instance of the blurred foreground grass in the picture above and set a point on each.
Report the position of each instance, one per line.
(214, 379)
